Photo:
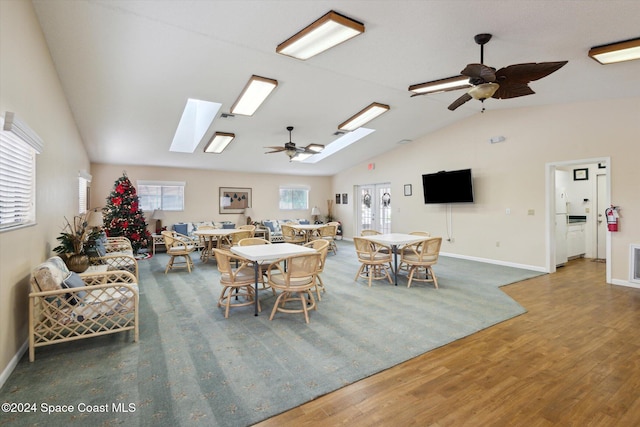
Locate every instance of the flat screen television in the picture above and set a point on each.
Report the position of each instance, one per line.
(448, 187)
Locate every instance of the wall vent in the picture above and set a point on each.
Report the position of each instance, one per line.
(634, 263)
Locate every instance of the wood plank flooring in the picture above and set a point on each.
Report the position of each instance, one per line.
(572, 360)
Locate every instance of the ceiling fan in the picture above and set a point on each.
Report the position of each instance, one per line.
(292, 151)
(508, 82)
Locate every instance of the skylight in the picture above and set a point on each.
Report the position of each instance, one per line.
(194, 123)
(343, 142)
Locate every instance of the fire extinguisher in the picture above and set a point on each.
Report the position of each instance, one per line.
(612, 218)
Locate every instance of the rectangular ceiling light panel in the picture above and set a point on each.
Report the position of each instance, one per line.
(219, 142)
(616, 52)
(325, 33)
(194, 123)
(253, 95)
(364, 116)
(451, 83)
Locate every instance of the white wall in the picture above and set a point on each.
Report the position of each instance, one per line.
(29, 86)
(201, 191)
(510, 175)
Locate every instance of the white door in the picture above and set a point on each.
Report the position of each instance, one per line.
(374, 207)
(601, 223)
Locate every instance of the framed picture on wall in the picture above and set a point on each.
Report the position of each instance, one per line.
(345, 198)
(580, 174)
(234, 200)
(338, 199)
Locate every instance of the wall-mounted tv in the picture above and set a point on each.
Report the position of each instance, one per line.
(448, 187)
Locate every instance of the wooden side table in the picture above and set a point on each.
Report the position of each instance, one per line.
(157, 240)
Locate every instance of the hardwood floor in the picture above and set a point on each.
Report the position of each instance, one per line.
(572, 360)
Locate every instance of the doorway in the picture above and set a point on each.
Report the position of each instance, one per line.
(601, 232)
(374, 207)
(601, 186)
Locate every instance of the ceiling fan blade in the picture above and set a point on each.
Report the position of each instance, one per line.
(525, 73)
(514, 79)
(275, 150)
(458, 102)
(479, 73)
(512, 90)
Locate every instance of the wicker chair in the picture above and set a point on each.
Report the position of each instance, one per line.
(116, 253)
(263, 268)
(375, 260)
(292, 236)
(237, 283)
(65, 307)
(178, 245)
(422, 256)
(328, 232)
(296, 283)
(322, 246)
(232, 239)
(249, 227)
(415, 233)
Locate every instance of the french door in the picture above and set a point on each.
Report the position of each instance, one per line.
(374, 207)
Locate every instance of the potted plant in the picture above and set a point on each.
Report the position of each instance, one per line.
(75, 237)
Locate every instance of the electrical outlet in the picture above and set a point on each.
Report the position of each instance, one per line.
(531, 212)
(586, 210)
(508, 211)
(497, 244)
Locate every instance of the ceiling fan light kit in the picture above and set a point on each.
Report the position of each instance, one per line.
(366, 115)
(218, 142)
(441, 85)
(627, 50)
(328, 31)
(253, 95)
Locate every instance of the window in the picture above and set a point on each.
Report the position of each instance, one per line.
(164, 195)
(18, 148)
(83, 191)
(294, 198)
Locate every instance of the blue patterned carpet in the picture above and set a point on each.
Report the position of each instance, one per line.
(193, 367)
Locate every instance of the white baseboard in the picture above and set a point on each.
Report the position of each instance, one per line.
(497, 262)
(627, 283)
(13, 363)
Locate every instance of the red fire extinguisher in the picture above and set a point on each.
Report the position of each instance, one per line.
(612, 218)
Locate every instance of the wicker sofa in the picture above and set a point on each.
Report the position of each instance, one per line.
(65, 306)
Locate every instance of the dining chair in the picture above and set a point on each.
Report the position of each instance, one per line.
(369, 232)
(249, 227)
(237, 283)
(375, 260)
(422, 255)
(295, 283)
(322, 246)
(233, 239)
(178, 246)
(328, 232)
(290, 235)
(263, 268)
(414, 233)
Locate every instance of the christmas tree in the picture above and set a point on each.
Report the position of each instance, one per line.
(123, 217)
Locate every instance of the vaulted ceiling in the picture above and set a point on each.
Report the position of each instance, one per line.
(128, 68)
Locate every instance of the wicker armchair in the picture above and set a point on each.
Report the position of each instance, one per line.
(67, 307)
(116, 253)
